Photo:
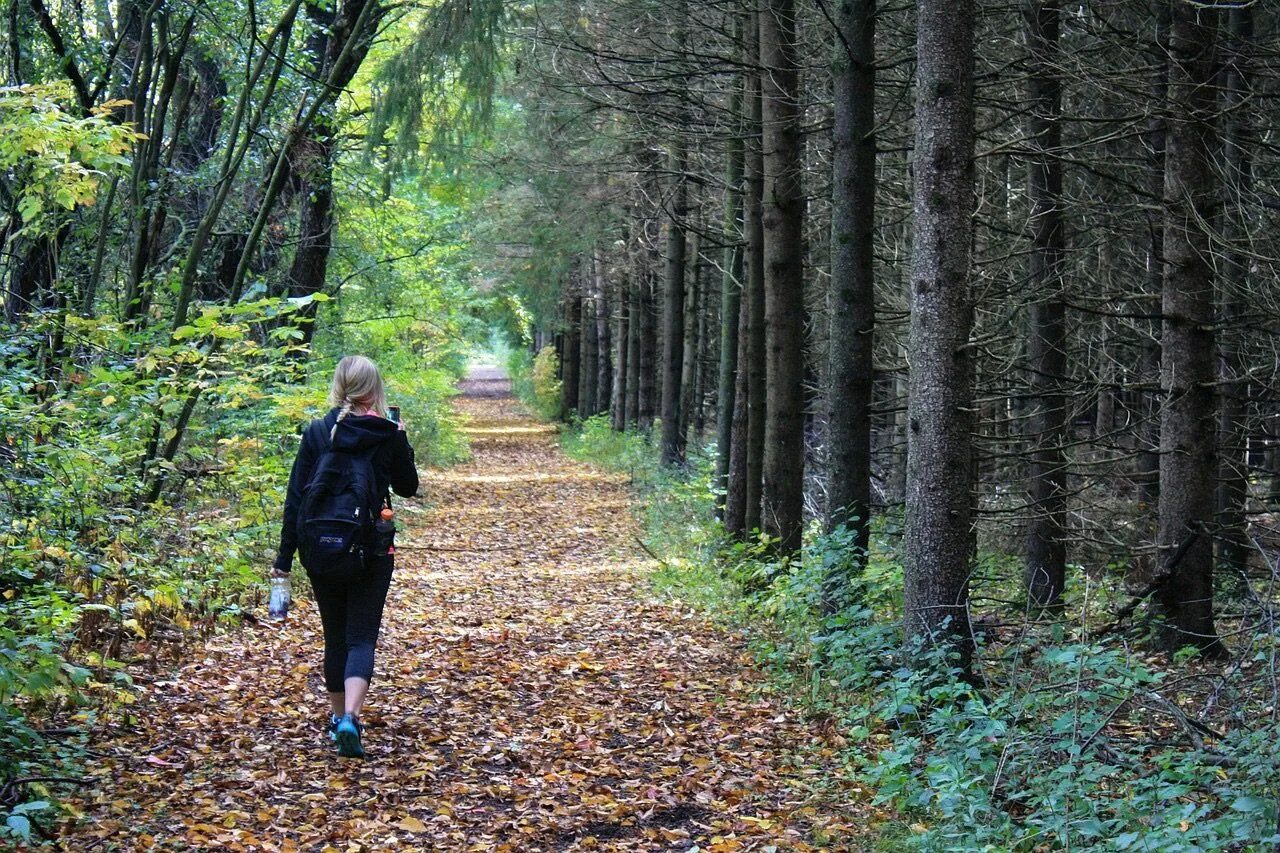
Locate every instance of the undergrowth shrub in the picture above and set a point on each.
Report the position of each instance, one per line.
(95, 577)
(1066, 744)
(534, 380)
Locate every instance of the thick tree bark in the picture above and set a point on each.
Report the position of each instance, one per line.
(782, 498)
(1188, 453)
(851, 371)
(940, 409)
(1046, 553)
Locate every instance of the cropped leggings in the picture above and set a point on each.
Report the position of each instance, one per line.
(351, 613)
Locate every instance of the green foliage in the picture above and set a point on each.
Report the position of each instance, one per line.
(52, 161)
(1055, 750)
(93, 575)
(534, 381)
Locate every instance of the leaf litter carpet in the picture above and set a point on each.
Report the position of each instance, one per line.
(531, 695)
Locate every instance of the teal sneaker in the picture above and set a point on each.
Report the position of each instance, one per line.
(332, 728)
(347, 734)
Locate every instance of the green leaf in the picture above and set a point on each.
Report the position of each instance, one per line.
(1250, 804)
(19, 826)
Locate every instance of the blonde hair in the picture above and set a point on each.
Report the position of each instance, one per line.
(356, 382)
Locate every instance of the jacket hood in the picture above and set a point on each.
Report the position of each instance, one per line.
(357, 433)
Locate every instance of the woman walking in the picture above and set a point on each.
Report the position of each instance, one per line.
(357, 455)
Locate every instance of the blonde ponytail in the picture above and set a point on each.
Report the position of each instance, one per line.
(356, 381)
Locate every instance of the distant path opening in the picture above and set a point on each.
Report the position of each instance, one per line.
(486, 381)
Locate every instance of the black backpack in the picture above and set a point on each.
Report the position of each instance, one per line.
(340, 505)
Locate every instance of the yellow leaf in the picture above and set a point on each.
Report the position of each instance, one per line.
(412, 824)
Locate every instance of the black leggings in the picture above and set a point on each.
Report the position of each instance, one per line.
(351, 613)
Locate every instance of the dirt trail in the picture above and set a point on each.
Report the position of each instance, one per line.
(530, 696)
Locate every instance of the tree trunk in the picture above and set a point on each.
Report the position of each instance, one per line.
(32, 276)
(689, 361)
(1148, 434)
(621, 345)
(1233, 428)
(730, 305)
(756, 354)
(742, 501)
(1188, 455)
(647, 396)
(590, 347)
(572, 355)
(851, 370)
(940, 407)
(1046, 553)
(635, 329)
(782, 498)
(604, 364)
(673, 315)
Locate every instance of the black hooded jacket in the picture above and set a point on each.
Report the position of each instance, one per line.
(393, 466)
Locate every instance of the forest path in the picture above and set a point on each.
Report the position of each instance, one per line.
(530, 696)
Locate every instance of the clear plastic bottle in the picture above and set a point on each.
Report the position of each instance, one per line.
(281, 597)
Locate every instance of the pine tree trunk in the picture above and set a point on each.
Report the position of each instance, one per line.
(1046, 553)
(590, 348)
(571, 354)
(1148, 437)
(706, 352)
(673, 316)
(649, 361)
(730, 306)
(782, 498)
(851, 371)
(621, 345)
(756, 355)
(1233, 428)
(940, 420)
(689, 361)
(635, 329)
(604, 363)
(1188, 452)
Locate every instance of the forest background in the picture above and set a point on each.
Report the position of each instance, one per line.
(941, 338)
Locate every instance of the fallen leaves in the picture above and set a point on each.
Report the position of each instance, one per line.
(529, 697)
